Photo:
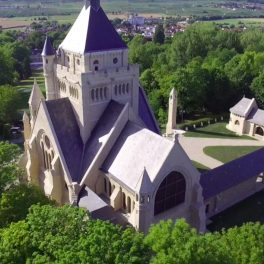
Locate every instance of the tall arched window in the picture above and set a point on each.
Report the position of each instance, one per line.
(171, 192)
(237, 123)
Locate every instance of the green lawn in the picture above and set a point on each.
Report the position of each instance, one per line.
(217, 130)
(249, 210)
(200, 167)
(228, 153)
(24, 87)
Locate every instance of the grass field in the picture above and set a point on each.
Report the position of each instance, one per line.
(169, 7)
(228, 153)
(25, 86)
(249, 210)
(217, 130)
(248, 22)
(200, 167)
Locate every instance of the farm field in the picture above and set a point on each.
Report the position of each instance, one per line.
(203, 8)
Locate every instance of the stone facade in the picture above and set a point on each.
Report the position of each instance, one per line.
(247, 119)
(95, 135)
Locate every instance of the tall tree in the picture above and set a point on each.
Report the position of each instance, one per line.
(159, 35)
(9, 171)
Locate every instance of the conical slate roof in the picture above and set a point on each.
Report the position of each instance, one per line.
(91, 32)
(48, 48)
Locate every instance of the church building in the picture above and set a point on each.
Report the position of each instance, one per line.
(94, 141)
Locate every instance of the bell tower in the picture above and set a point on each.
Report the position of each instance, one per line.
(92, 68)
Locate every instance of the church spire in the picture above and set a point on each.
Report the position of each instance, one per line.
(93, 3)
(48, 49)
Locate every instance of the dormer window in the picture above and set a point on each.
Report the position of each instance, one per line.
(115, 60)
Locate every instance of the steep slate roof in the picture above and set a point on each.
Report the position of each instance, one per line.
(241, 107)
(231, 174)
(91, 32)
(100, 132)
(128, 158)
(68, 133)
(146, 113)
(257, 117)
(48, 48)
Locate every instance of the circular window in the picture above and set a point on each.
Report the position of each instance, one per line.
(115, 60)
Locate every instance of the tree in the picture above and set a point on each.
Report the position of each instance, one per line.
(16, 201)
(9, 171)
(67, 235)
(179, 243)
(9, 104)
(257, 88)
(6, 67)
(159, 36)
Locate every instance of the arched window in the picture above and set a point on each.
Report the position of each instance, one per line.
(97, 94)
(127, 88)
(124, 201)
(128, 204)
(105, 92)
(92, 95)
(237, 123)
(171, 192)
(259, 131)
(110, 188)
(123, 88)
(101, 93)
(105, 185)
(115, 89)
(119, 89)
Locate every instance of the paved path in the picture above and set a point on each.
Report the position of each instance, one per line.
(194, 147)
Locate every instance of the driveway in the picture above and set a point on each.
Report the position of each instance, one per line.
(194, 146)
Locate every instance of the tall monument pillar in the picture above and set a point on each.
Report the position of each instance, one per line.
(172, 112)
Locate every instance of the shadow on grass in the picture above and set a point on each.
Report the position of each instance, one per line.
(248, 210)
(213, 134)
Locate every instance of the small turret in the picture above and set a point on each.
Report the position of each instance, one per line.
(34, 100)
(172, 112)
(27, 127)
(48, 57)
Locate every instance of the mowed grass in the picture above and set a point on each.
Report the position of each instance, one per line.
(200, 167)
(249, 210)
(217, 130)
(25, 86)
(228, 153)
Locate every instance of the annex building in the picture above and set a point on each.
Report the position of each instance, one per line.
(247, 119)
(94, 142)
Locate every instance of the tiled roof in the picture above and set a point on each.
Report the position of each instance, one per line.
(91, 32)
(101, 130)
(241, 107)
(256, 116)
(137, 150)
(67, 132)
(146, 113)
(231, 174)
